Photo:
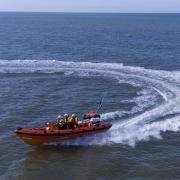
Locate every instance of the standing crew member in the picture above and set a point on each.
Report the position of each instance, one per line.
(66, 117)
(74, 120)
(70, 124)
(61, 122)
(59, 118)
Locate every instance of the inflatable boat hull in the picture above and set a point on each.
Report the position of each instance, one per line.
(38, 136)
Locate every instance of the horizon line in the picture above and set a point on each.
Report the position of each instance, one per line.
(91, 12)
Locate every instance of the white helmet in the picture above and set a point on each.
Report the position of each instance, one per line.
(66, 115)
(59, 117)
(73, 115)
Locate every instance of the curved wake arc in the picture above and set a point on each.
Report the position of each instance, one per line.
(155, 84)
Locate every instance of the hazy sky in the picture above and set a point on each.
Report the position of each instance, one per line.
(91, 5)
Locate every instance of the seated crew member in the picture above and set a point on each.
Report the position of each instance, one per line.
(51, 126)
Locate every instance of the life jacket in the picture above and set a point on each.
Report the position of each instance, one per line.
(62, 122)
(70, 120)
(66, 119)
(74, 120)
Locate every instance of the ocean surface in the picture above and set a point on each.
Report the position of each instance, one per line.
(56, 63)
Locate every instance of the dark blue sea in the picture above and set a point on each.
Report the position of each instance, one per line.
(56, 63)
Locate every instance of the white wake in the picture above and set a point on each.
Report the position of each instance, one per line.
(155, 84)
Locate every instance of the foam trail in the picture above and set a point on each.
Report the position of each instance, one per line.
(133, 134)
(155, 84)
(130, 135)
(163, 95)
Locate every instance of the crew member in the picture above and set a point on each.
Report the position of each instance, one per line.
(59, 118)
(61, 122)
(72, 121)
(51, 126)
(66, 118)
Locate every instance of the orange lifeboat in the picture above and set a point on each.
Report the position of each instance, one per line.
(38, 136)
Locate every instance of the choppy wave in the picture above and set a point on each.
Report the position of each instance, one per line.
(155, 84)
